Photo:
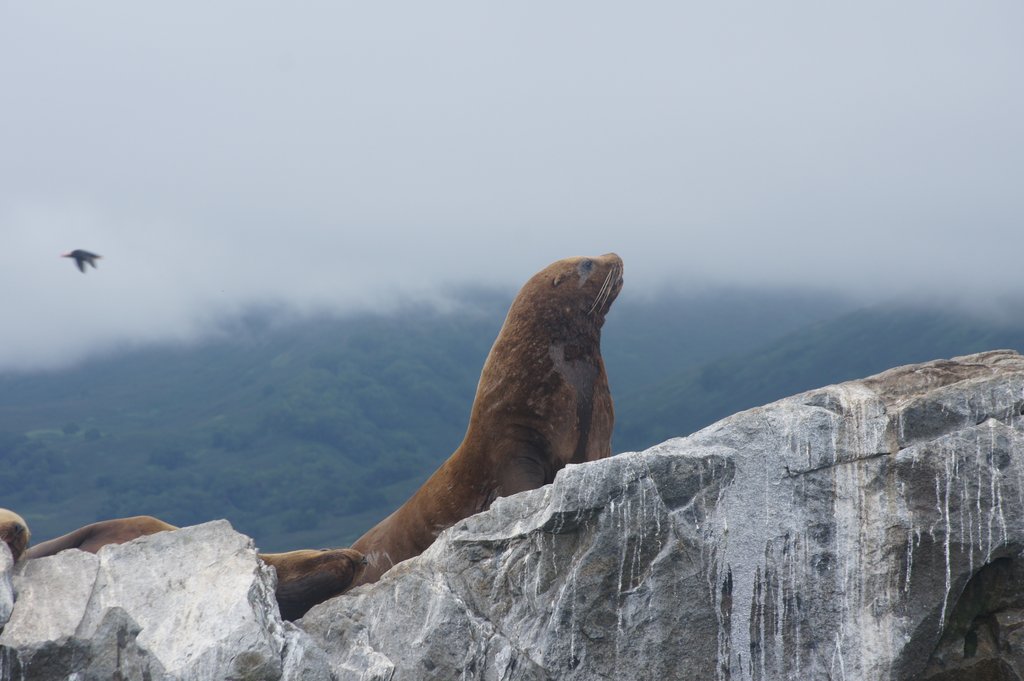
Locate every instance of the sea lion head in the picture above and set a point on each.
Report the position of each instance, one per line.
(357, 563)
(579, 291)
(311, 576)
(14, 532)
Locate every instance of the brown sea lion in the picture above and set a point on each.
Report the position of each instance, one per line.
(93, 537)
(14, 532)
(542, 402)
(311, 576)
(304, 578)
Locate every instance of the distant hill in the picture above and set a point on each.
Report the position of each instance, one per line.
(305, 432)
(646, 340)
(853, 345)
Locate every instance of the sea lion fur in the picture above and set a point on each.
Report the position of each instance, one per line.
(14, 532)
(311, 576)
(95, 536)
(542, 402)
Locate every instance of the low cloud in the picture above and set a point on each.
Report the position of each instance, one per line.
(336, 157)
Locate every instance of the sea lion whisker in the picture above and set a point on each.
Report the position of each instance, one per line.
(613, 277)
(602, 295)
(603, 292)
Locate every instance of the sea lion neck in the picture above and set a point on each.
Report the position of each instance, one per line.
(558, 325)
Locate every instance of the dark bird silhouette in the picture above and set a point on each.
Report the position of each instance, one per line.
(81, 257)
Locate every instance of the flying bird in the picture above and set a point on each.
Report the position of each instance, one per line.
(81, 257)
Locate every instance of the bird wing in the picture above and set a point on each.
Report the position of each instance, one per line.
(81, 264)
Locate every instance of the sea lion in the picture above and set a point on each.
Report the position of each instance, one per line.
(304, 578)
(542, 402)
(93, 537)
(14, 532)
(311, 576)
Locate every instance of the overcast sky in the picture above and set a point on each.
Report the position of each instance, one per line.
(337, 154)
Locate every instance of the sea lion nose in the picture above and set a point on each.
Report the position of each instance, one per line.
(612, 259)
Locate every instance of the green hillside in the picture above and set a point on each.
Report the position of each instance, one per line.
(305, 432)
(853, 345)
(299, 431)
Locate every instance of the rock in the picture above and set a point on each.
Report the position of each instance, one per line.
(6, 586)
(191, 604)
(867, 530)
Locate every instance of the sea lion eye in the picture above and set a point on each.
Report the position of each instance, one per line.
(584, 269)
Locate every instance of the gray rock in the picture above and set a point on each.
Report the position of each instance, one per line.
(191, 604)
(868, 530)
(6, 585)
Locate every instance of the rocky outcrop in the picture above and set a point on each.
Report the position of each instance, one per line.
(867, 530)
(191, 604)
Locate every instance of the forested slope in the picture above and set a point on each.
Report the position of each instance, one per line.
(306, 431)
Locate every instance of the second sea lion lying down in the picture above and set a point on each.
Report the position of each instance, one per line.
(304, 578)
(13, 532)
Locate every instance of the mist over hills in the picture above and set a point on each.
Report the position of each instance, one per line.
(305, 431)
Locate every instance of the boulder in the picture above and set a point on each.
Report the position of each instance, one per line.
(867, 530)
(195, 603)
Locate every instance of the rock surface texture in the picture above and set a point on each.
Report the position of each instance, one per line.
(6, 586)
(868, 530)
(191, 604)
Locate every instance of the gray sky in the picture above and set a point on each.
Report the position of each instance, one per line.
(336, 154)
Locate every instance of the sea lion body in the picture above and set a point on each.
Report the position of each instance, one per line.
(14, 532)
(93, 537)
(542, 402)
(304, 578)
